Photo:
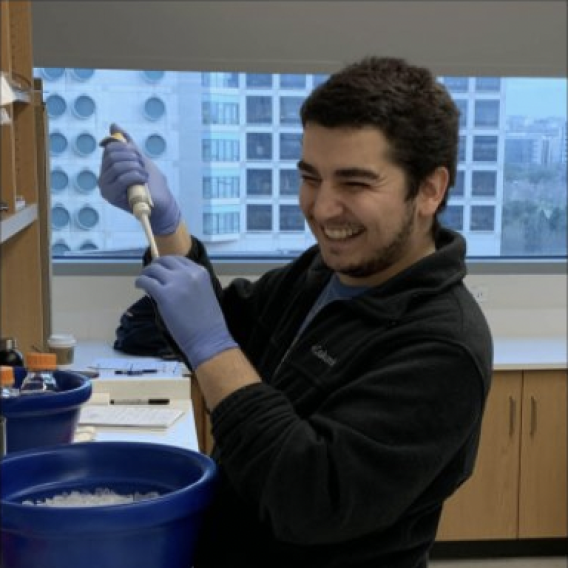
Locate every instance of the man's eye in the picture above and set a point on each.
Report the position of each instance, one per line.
(310, 180)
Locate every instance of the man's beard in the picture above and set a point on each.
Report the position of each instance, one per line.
(387, 255)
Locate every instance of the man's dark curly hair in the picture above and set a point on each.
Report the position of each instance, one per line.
(405, 102)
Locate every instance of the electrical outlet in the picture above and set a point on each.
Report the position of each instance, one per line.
(480, 293)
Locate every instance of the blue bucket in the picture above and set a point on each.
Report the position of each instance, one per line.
(37, 420)
(158, 532)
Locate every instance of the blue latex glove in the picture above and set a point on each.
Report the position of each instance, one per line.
(124, 165)
(187, 303)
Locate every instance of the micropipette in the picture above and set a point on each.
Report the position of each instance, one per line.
(140, 201)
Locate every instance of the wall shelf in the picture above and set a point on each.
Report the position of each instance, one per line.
(13, 224)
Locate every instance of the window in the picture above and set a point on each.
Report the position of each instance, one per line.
(259, 217)
(462, 106)
(289, 182)
(259, 146)
(483, 184)
(290, 110)
(228, 143)
(291, 218)
(458, 189)
(292, 81)
(452, 217)
(259, 110)
(482, 218)
(485, 148)
(290, 146)
(259, 182)
(487, 114)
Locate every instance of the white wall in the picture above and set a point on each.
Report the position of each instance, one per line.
(516, 306)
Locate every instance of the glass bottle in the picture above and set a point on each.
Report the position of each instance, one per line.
(9, 353)
(40, 377)
(9, 389)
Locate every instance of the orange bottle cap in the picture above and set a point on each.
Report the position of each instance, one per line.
(40, 361)
(6, 375)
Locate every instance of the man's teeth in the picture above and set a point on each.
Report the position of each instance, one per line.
(343, 233)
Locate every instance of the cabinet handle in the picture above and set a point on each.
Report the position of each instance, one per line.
(512, 415)
(533, 416)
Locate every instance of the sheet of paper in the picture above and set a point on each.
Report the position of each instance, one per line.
(139, 365)
(129, 416)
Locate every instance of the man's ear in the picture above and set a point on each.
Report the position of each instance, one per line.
(432, 191)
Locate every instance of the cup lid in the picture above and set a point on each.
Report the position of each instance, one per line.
(61, 340)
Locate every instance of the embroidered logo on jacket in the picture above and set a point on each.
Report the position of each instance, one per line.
(323, 355)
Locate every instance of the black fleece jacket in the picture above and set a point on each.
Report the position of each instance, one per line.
(343, 455)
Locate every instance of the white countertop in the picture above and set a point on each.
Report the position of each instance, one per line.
(519, 353)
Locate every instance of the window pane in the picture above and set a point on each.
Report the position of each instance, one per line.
(290, 110)
(484, 184)
(482, 218)
(485, 148)
(462, 106)
(259, 217)
(259, 146)
(259, 182)
(289, 182)
(231, 139)
(487, 84)
(292, 81)
(291, 218)
(290, 146)
(456, 84)
(487, 113)
(452, 217)
(458, 189)
(259, 110)
(259, 80)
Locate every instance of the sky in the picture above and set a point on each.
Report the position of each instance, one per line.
(538, 98)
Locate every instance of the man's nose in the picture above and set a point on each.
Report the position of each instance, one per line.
(328, 202)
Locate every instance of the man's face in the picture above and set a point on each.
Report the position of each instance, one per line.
(354, 200)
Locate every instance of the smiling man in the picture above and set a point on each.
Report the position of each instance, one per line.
(347, 388)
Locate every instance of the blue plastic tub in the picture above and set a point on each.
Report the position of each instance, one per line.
(159, 532)
(37, 420)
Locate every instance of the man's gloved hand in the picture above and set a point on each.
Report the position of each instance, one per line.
(124, 165)
(187, 303)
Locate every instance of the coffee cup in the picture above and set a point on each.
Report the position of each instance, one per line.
(63, 345)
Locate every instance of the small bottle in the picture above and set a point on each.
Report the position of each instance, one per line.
(9, 354)
(9, 388)
(40, 377)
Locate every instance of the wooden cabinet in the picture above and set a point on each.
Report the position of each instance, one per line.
(24, 231)
(519, 486)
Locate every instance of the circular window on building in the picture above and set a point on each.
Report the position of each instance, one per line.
(87, 217)
(84, 106)
(85, 144)
(155, 145)
(85, 181)
(154, 108)
(60, 217)
(55, 105)
(88, 245)
(53, 73)
(153, 76)
(57, 143)
(59, 179)
(59, 248)
(82, 74)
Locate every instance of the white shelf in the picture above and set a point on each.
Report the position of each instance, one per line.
(13, 224)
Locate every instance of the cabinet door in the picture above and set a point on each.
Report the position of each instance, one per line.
(543, 495)
(486, 506)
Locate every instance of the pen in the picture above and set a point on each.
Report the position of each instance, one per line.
(135, 372)
(141, 401)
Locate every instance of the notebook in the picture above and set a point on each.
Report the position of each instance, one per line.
(129, 416)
